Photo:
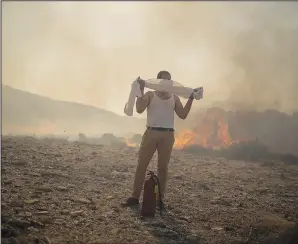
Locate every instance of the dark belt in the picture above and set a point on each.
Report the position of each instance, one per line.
(159, 128)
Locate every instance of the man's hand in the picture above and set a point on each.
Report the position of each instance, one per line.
(193, 93)
(142, 85)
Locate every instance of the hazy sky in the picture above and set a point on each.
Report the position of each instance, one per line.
(90, 52)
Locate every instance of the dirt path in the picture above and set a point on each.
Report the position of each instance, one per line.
(54, 191)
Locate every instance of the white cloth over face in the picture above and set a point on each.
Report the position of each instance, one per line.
(169, 86)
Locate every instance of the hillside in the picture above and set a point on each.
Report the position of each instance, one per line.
(24, 112)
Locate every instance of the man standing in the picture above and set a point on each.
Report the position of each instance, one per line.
(159, 134)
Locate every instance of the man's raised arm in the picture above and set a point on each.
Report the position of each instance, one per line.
(181, 111)
(143, 102)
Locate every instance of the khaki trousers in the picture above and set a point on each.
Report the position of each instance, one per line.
(153, 140)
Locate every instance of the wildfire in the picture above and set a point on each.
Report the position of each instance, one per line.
(130, 143)
(211, 131)
(186, 137)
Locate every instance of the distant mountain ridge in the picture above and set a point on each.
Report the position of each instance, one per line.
(26, 112)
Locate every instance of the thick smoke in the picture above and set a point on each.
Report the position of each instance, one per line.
(251, 53)
(245, 54)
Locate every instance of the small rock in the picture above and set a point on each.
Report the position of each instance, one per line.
(31, 201)
(35, 174)
(33, 229)
(36, 193)
(64, 212)
(54, 174)
(179, 177)
(217, 228)
(225, 202)
(229, 228)
(42, 212)
(109, 197)
(290, 218)
(116, 209)
(36, 223)
(59, 221)
(82, 200)
(41, 209)
(61, 188)
(214, 202)
(44, 189)
(46, 220)
(166, 233)
(97, 242)
(25, 214)
(192, 239)
(185, 218)
(241, 205)
(109, 213)
(18, 183)
(115, 231)
(263, 189)
(76, 213)
(46, 240)
(96, 191)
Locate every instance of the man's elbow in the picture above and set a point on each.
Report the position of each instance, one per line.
(140, 110)
(182, 116)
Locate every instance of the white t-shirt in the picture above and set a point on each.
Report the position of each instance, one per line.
(160, 113)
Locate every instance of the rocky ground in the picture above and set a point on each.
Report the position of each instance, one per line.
(55, 191)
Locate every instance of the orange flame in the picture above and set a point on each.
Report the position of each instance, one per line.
(211, 131)
(130, 143)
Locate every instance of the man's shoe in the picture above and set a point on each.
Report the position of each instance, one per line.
(131, 201)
